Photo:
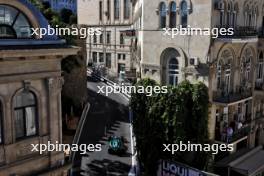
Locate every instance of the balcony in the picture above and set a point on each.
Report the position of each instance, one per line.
(225, 98)
(236, 137)
(242, 34)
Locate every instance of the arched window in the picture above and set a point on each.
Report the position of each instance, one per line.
(222, 13)
(246, 67)
(25, 111)
(13, 23)
(249, 18)
(1, 123)
(235, 13)
(184, 13)
(228, 16)
(246, 15)
(260, 67)
(116, 9)
(173, 71)
(255, 17)
(162, 13)
(172, 15)
(224, 67)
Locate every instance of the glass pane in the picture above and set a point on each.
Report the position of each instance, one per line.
(7, 14)
(22, 27)
(7, 32)
(24, 99)
(19, 123)
(30, 121)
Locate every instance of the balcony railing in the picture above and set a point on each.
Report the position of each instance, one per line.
(240, 32)
(224, 97)
(237, 135)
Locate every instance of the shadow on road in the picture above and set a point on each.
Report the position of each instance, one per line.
(106, 117)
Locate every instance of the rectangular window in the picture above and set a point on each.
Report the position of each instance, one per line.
(100, 10)
(117, 9)
(119, 56)
(95, 39)
(108, 60)
(121, 68)
(126, 9)
(101, 39)
(121, 39)
(101, 57)
(124, 57)
(108, 37)
(108, 9)
(94, 57)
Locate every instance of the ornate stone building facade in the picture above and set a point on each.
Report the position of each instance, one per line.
(230, 65)
(30, 89)
(111, 49)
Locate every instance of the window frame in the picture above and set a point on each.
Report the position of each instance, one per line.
(175, 75)
(173, 15)
(108, 9)
(108, 37)
(100, 10)
(162, 15)
(23, 108)
(126, 9)
(116, 9)
(12, 25)
(122, 42)
(184, 22)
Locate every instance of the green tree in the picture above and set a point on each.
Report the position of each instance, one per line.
(179, 115)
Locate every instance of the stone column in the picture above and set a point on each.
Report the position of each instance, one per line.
(55, 120)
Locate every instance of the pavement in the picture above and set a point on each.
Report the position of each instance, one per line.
(107, 116)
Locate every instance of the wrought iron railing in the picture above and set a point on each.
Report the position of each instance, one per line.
(237, 135)
(222, 96)
(239, 31)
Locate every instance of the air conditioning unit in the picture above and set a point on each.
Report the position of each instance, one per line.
(194, 61)
(220, 5)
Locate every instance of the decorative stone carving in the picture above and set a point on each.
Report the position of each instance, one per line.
(55, 84)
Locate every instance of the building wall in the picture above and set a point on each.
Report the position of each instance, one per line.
(89, 15)
(43, 78)
(152, 54)
(36, 70)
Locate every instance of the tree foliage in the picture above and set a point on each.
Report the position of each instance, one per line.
(179, 115)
